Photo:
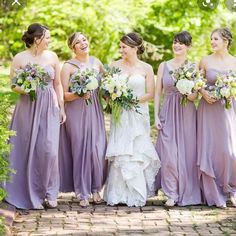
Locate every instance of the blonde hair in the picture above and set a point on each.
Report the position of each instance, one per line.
(225, 34)
(73, 39)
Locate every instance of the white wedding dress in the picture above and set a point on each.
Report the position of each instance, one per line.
(134, 162)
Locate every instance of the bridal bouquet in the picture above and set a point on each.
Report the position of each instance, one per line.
(118, 95)
(187, 80)
(84, 81)
(224, 88)
(30, 78)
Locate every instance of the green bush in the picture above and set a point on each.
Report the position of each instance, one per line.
(103, 21)
(5, 133)
(5, 111)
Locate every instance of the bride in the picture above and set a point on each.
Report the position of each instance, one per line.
(134, 162)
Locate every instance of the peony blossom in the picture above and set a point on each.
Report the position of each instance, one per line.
(185, 86)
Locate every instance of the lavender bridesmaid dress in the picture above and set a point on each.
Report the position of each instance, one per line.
(34, 153)
(176, 146)
(216, 142)
(82, 145)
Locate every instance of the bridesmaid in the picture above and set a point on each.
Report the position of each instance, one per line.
(34, 153)
(176, 142)
(217, 128)
(83, 138)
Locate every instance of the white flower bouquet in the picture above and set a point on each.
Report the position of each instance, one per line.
(84, 81)
(30, 78)
(117, 94)
(187, 80)
(224, 88)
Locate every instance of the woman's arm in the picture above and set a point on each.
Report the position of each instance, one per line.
(16, 64)
(100, 65)
(158, 93)
(150, 86)
(58, 88)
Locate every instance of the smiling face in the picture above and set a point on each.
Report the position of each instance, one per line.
(218, 43)
(44, 41)
(127, 51)
(179, 48)
(81, 45)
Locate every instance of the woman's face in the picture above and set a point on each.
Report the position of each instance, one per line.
(82, 45)
(217, 42)
(44, 41)
(127, 51)
(179, 48)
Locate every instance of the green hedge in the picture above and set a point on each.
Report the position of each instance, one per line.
(104, 21)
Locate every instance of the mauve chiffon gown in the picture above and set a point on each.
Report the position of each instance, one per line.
(216, 140)
(34, 149)
(176, 147)
(83, 145)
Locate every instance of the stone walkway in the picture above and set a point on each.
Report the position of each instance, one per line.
(153, 219)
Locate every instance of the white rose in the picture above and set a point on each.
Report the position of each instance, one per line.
(225, 92)
(119, 93)
(185, 86)
(93, 84)
(110, 88)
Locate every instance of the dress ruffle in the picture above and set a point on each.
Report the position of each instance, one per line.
(134, 161)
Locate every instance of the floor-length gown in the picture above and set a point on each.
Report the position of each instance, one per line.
(176, 146)
(216, 148)
(134, 162)
(82, 145)
(34, 149)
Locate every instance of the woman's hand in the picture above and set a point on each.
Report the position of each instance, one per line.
(62, 116)
(191, 97)
(209, 99)
(87, 96)
(158, 123)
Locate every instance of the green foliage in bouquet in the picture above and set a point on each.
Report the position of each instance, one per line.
(30, 78)
(116, 93)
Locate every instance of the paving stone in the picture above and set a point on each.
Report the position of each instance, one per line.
(151, 220)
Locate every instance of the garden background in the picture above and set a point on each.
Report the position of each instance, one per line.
(104, 22)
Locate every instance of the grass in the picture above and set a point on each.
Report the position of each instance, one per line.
(151, 112)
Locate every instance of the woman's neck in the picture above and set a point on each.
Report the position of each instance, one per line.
(83, 58)
(179, 59)
(35, 51)
(131, 61)
(222, 54)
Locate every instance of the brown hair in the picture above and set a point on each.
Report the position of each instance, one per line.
(34, 31)
(225, 34)
(183, 37)
(134, 40)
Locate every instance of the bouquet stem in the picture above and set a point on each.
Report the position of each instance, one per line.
(88, 101)
(227, 103)
(116, 112)
(184, 100)
(32, 95)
